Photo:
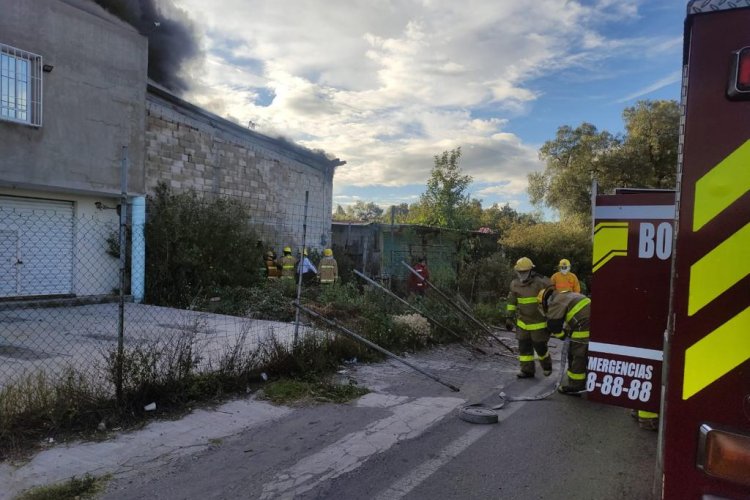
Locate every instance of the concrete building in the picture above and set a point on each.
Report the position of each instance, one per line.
(189, 148)
(72, 94)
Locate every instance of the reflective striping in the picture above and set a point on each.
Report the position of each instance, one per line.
(559, 335)
(576, 376)
(531, 326)
(510, 307)
(579, 335)
(577, 308)
(716, 354)
(546, 355)
(625, 212)
(624, 350)
(719, 270)
(721, 186)
(610, 240)
(523, 358)
(527, 300)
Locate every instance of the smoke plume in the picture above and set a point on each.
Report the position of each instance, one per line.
(171, 42)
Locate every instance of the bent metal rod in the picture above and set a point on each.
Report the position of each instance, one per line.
(455, 306)
(371, 345)
(410, 306)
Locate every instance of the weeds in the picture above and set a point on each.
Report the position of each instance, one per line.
(40, 406)
(85, 487)
(287, 391)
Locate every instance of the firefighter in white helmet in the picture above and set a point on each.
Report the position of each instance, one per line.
(568, 314)
(531, 327)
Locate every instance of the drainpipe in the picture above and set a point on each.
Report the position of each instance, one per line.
(138, 249)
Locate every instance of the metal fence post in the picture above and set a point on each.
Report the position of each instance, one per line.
(123, 251)
(300, 268)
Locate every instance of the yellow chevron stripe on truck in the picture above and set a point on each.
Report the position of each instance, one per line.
(610, 240)
(726, 347)
(721, 186)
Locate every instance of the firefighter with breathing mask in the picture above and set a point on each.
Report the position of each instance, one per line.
(564, 280)
(531, 327)
(568, 315)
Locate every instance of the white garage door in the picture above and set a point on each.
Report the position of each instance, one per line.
(36, 247)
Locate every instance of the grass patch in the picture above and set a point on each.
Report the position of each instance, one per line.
(295, 391)
(75, 488)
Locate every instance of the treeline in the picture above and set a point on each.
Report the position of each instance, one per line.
(645, 156)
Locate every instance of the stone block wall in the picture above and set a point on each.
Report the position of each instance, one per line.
(188, 148)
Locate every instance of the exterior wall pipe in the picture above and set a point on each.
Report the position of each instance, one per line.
(138, 249)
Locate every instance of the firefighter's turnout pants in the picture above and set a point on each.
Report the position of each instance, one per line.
(573, 310)
(531, 340)
(531, 326)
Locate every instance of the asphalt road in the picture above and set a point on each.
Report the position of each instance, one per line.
(404, 440)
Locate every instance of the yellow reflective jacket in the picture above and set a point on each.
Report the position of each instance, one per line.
(571, 309)
(329, 270)
(287, 263)
(522, 302)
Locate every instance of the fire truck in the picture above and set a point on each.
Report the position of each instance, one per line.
(670, 326)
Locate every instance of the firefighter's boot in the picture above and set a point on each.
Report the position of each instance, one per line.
(648, 420)
(546, 363)
(570, 390)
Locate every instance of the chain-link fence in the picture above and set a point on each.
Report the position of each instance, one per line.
(194, 285)
(180, 296)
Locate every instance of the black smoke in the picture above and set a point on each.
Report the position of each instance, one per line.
(171, 41)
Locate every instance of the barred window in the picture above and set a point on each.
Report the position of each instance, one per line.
(20, 86)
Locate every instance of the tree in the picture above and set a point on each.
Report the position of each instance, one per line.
(401, 214)
(573, 160)
(446, 203)
(653, 129)
(359, 211)
(340, 213)
(366, 212)
(500, 219)
(646, 157)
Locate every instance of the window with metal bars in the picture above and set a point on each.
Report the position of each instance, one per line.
(20, 86)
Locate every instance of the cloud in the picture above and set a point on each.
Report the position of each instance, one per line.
(671, 78)
(387, 85)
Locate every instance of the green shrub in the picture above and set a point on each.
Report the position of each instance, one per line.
(548, 242)
(75, 488)
(196, 244)
(487, 279)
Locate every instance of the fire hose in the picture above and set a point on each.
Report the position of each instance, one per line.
(480, 413)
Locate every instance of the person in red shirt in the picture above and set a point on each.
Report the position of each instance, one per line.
(416, 284)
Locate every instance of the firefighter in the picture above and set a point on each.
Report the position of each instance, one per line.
(564, 280)
(568, 315)
(531, 327)
(287, 263)
(271, 269)
(329, 269)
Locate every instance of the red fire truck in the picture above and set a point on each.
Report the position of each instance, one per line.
(705, 429)
(670, 326)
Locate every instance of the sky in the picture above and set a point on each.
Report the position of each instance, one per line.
(385, 85)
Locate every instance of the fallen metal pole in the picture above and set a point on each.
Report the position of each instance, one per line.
(410, 306)
(371, 345)
(455, 306)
